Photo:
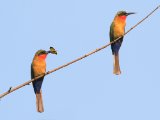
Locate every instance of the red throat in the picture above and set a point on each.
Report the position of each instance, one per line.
(123, 17)
(43, 56)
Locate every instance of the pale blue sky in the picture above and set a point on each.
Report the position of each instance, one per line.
(86, 90)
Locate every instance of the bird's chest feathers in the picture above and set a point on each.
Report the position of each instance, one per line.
(39, 67)
(119, 28)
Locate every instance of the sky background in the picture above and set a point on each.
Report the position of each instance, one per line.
(86, 90)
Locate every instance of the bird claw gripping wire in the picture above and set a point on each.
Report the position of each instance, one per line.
(9, 90)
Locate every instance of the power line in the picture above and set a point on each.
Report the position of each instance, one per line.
(76, 60)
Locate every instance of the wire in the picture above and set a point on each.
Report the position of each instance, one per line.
(76, 60)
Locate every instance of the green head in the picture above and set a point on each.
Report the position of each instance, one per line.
(41, 52)
(124, 13)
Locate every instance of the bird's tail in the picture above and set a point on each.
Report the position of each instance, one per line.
(116, 67)
(39, 102)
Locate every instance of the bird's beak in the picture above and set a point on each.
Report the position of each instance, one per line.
(130, 13)
(53, 52)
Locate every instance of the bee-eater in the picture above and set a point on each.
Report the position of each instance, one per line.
(38, 67)
(117, 29)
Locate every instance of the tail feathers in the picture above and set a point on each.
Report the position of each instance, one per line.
(39, 102)
(116, 66)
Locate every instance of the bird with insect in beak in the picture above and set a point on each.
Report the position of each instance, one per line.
(117, 29)
(38, 67)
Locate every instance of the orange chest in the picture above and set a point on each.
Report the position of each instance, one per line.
(119, 28)
(38, 67)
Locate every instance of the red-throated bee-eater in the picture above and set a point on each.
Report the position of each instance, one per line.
(38, 67)
(117, 29)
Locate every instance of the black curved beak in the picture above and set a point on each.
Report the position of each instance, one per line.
(130, 13)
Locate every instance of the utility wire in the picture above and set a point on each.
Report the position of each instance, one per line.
(76, 60)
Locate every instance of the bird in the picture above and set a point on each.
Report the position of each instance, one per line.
(117, 30)
(38, 67)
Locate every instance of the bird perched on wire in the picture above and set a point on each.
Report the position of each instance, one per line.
(117, 29)
(38, 67)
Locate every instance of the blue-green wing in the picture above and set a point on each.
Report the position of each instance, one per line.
(111, 33)
(32, 73)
